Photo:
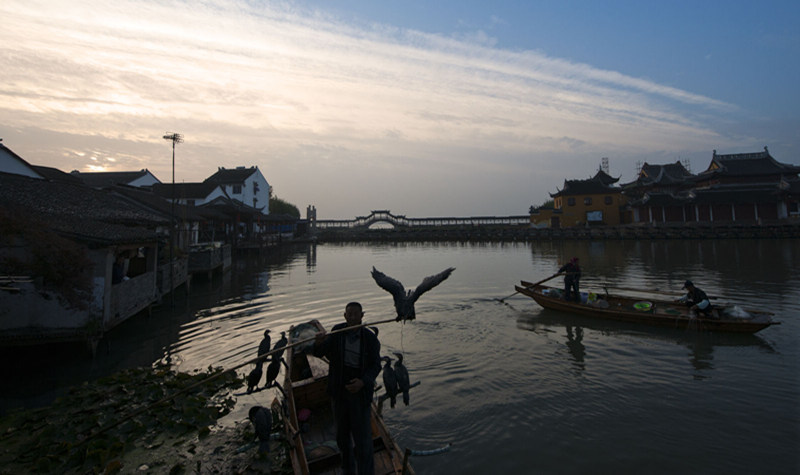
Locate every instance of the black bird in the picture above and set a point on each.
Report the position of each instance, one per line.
(404, 300)
(273, 369)
(403, 383)
(389, 380)
(279, 346)
(253, 378)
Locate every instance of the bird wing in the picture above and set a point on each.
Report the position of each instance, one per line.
(430, 282)
(393, 286)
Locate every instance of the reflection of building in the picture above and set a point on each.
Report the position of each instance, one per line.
(745, 187)
(593, 201)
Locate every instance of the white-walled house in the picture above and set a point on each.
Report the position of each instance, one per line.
(10, 162)
(246, 185)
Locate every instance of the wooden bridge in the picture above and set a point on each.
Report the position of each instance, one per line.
(401, 221)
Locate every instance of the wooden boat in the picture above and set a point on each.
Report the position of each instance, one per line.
(665, 313)
(310, 426)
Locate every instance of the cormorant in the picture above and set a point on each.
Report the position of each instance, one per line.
(389, 380)
(403, 383)
(261, 417)
(263, 347)
(272, 371)
(253, 378)
(279, 345)
(404, 300)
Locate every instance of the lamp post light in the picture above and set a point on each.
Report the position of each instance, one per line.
(175, 139)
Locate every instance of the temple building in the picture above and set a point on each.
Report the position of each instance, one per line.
(745, 187)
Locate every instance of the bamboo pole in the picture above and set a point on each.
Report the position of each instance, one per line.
(532, 285)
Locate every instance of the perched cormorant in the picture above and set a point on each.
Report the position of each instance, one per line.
(403, 383)
(389, 380)
(404, 300)
(253, 378)
(278, 346)
(272, 371)
(263, 347)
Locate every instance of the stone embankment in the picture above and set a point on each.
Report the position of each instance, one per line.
(520, 233)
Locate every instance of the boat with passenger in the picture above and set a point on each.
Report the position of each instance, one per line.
(309, 420)
(650, 311)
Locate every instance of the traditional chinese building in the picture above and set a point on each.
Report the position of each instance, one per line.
(583, 202)
(744, 187)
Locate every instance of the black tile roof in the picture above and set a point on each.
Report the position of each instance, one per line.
(87, 214)
(591, 186)
(231, 175)
(746, 164)
(106, 179)
(150, 201)
(185, 191)
(54, 174)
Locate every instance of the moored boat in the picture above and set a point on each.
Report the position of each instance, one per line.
(310, 427)
(650, 311)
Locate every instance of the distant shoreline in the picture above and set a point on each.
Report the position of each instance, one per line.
(520, 233)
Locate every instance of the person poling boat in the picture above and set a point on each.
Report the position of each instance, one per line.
(654, 311)
(572, 279)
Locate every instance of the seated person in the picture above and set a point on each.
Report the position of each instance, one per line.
(696, 300)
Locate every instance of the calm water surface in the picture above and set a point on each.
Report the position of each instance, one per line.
(515, 388)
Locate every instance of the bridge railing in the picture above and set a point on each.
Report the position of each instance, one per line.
(400, 221)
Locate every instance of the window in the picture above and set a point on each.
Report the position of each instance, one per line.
(608, 200)
(237, 189)
(587, 201)
(594, 217)
(571, 201)
(190, 202)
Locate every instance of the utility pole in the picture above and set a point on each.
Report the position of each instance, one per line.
(175, 139)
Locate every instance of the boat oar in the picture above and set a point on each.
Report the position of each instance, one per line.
(532, 285)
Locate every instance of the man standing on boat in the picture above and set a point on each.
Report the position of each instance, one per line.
(354, 363)
(695, 299)
(572, 279)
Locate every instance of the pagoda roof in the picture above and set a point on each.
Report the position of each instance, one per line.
(747, 164)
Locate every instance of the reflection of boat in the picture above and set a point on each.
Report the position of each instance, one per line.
(310, 426)
(652, 312)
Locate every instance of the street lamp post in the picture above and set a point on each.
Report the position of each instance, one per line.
(175, 139)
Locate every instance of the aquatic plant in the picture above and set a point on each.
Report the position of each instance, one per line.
(88, 431)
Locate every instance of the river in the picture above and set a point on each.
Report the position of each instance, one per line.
(514, 388)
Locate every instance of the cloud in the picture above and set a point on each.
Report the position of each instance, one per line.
(315, 101)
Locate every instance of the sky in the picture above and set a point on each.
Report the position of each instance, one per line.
(445, 108)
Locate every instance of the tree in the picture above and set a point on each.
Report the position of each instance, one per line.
(279, 206)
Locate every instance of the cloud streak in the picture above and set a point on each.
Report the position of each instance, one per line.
(316, 102)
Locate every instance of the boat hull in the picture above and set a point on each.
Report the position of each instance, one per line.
(653, 312)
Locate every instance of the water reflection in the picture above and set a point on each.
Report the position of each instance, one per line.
(701, 345)
(575, 345)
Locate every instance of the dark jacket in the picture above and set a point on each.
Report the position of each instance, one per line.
(333, 348)
(573, 272)
(696, 296)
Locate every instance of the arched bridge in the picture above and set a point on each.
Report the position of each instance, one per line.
(400, 221)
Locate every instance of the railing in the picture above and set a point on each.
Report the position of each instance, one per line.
(400, 221)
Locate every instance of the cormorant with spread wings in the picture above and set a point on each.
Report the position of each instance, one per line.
(404, 300)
